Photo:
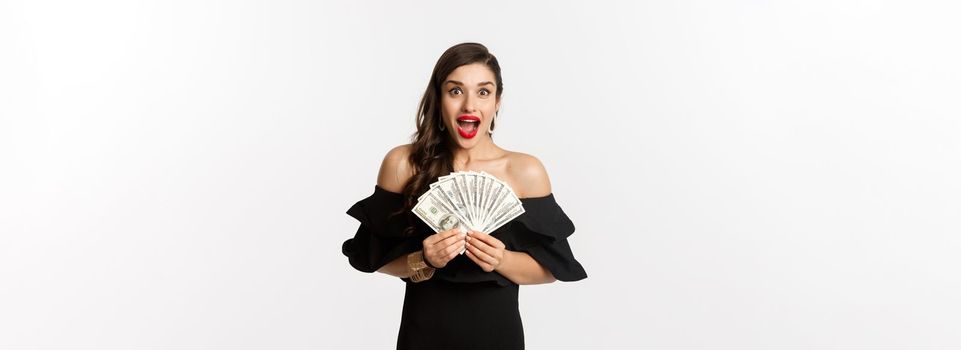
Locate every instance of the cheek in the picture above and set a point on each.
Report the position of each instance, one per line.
(490, 105)
(448, 105)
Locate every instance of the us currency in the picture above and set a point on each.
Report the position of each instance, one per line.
(451, 192)
(498, 196)
(472, 193)
(449, 204)
(510, 209)
(469, 200)
(488, 191)
(437, 214)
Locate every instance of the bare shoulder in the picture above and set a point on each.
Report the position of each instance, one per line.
(530, 176)
(395, 169)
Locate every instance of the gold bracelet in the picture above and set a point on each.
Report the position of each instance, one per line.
(419, 271)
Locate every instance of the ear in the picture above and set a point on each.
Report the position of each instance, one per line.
(497, 106)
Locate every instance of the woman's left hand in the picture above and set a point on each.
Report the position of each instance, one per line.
(486, 251)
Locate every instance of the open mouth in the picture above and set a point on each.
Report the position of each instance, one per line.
(467, 126)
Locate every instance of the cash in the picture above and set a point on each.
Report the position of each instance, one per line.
(470, 201)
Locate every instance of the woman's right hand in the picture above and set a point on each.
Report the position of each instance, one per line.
(443, 246)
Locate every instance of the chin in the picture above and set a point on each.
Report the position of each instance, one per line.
(466, 143)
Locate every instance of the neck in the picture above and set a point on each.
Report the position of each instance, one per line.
(485, 149)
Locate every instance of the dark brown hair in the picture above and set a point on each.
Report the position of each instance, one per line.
(431, 154)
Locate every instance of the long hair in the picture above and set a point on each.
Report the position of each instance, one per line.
(431, 154)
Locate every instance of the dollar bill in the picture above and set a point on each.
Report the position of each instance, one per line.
(468, 200)
(437, 214)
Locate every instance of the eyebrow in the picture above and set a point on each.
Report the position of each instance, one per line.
(460, 83)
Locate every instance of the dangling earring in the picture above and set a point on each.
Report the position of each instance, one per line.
(441, 126)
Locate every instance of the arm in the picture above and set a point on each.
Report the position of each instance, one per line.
(490, 254)
(396, 268)
(521, 268)
(395, 170)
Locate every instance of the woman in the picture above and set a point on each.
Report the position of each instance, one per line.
(453, 300)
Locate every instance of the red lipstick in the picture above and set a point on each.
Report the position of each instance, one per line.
(467, 126)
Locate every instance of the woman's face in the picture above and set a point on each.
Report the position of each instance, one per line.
(468, 103)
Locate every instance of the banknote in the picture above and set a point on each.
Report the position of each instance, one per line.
(469, 200)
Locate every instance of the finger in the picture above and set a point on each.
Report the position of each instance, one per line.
(455, 248)
(442, 248)
(439, 257)
(486, 238)
(451, 240)
(448, 253)
(444, 260)
(435, 249)
(482, 245)
(454, 253)
(485, 266)
(442, 235)
(480, 254)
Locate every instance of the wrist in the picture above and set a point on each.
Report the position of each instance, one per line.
(505, 260)
(427, 261)
(417, 269)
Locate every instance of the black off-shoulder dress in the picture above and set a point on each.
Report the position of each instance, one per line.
(446, 311)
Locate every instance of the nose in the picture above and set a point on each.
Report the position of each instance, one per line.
(469, 104)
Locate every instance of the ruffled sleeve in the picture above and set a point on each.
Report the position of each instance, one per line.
(541, 231)
(544, 230)
(380, 238)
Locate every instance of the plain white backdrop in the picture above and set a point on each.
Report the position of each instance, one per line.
(742, 174)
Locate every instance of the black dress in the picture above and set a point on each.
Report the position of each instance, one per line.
(445, 311)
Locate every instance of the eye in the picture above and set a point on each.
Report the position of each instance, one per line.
(484, 92)
(452, 91)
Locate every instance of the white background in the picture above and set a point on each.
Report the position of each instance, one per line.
(742, 174)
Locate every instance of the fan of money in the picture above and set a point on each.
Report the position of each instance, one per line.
(469, 200)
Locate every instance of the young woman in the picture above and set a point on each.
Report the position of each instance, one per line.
(453, 300)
